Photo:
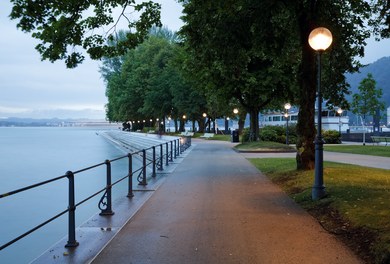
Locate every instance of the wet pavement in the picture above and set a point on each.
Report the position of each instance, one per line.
(216, 207)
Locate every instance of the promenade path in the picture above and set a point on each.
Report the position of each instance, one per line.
(216, 207)
(356, 159)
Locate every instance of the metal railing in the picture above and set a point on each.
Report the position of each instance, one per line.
(168, 151)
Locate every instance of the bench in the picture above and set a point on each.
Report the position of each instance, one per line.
(187, 134)
(380, 139)
(207, 135)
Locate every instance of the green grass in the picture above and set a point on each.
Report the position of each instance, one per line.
(356, 207)
(383, 151)
(263, 145)
(221, 137)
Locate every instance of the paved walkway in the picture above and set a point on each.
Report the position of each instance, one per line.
(217, 208)
(362, 160)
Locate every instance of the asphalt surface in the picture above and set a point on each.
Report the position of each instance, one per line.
(217, 208)
(356, 159)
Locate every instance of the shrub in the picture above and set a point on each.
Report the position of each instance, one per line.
(273, 133)
(278, 134)
(245, 135)
(331, 137)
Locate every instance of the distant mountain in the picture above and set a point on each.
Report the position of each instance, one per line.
(51, 122)
(380, 70)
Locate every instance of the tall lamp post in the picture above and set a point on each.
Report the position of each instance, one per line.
(319, 39)
(205, 121)
(340, 111)
(287, 107)
(235, 112)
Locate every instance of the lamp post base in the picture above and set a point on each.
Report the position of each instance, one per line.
(318, 192)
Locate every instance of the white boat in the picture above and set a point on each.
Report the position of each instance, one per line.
(331, 120)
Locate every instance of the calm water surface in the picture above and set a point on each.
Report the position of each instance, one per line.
(31, 155)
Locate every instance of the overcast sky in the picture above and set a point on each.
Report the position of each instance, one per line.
(31, 88)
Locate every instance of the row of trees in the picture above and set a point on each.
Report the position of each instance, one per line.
(258, 53)
(254, 53)
(148, 83)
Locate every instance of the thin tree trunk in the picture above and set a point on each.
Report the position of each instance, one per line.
(254, 124)
(307, 80)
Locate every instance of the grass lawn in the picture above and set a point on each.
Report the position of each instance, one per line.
(264, 145)
(356, 209)
(221, 137)
(383, 151)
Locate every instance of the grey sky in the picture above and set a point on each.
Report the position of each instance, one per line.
(31, 88)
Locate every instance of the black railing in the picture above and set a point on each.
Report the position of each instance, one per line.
(148, 157)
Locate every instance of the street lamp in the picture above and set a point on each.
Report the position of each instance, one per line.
(205, 122)
(184, 123)
(287, 106)
(235, 112)
(340, 111)
(319, 39)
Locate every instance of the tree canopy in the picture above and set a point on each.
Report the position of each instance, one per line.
(258, 52)
(226, 52)
(66, 27)
(253, 51)
(148, 83)
(368, 100)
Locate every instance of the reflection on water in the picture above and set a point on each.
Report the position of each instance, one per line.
(31, 155)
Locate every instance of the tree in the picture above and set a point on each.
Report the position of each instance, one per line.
(381, 18)
(226, 53)
(258, 52)
(63, 27)
(368, 100)
(148, 82)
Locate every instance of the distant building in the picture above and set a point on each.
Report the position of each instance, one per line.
(331, 120)
(388, 116)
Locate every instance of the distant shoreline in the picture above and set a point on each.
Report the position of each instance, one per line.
(55, 122)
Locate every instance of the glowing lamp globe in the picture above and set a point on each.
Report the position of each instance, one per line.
(320, 39)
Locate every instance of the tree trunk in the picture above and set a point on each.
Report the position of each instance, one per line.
(201, 123)
(182, 126)
(176, 126)
(254, 124)
(307, 81)
(241, 121)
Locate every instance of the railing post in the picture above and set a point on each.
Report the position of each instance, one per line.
(71, 214)
(130, 189)
(166, 152)
(175, 148)
(161, 157)
(171, 159)
(108, 209)
(154, 162)
(144, 183)
(178, 147)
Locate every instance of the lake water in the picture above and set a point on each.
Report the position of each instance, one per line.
(31, 155)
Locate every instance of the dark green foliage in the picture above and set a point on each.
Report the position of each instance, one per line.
(258, 53)
(64, 29)
(331, 137)
(380, 71)
(148, 82)
(273, 133)
(368, 99)
(278, 134)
